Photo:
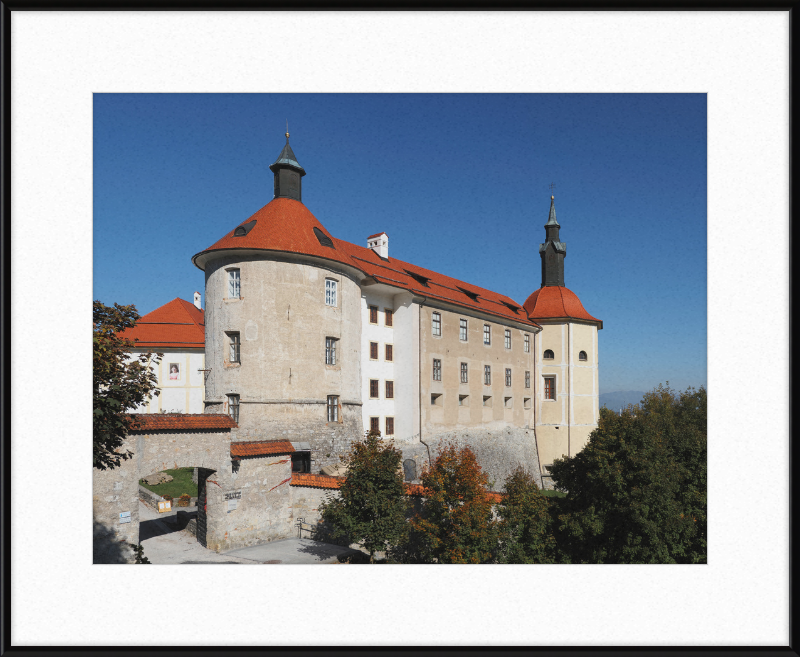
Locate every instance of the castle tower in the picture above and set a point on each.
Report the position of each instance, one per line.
(283, 326)
(566, 356)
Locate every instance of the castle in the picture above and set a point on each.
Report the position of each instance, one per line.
(310, 340)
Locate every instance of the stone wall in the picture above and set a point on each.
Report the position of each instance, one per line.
(499, 451)
(149, 497)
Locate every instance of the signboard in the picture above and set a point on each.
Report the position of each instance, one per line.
(166, 505)
(232, 505)
(125, 517)
(234, 495)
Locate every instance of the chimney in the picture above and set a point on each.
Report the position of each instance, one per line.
(380, 244)
(197, 301)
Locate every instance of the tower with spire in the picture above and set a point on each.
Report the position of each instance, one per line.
(288, 174)
(553, 251)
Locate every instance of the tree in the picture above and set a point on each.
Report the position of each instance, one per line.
(455, 524)
(121, 382)
(372, 505)
(637, 491)
(525, 530)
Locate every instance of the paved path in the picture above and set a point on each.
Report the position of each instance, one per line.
(163, 544)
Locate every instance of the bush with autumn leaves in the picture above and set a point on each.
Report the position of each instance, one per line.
(636, 493)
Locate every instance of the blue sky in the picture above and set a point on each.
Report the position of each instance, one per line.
(460, 182)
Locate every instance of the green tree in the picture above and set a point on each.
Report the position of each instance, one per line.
(525, 527)
(637, 491)
(372, 505)
(455, 524)
(121, 382)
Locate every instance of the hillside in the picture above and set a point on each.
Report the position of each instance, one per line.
(620, 399)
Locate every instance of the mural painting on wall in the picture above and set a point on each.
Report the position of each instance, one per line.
(174, 372)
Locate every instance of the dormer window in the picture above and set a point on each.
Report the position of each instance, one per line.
(471, 295)
(548, 354)
(323, 239)
(242, 230)
(422, 280)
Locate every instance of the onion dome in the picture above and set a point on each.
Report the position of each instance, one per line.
(557, 302)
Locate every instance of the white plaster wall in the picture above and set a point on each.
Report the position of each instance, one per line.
(406, 385)
(380, 369)
(184, 395)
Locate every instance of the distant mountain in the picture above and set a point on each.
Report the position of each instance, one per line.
(617, 400)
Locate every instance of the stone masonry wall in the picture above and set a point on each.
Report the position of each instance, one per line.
(499, 451)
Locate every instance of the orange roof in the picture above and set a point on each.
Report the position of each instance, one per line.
(177, 324)
(557, 302)
(324, 481)
(287, 225)
(182, 422)
(263, 448)
(377, 235)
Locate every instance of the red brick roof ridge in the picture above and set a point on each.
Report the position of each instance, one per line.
(181, 421)
(328, 481)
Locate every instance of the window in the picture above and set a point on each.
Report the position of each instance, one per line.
(373, 314)
(548, 354)
(301, 461)
(388, 317)
(582, 356)
(464, 373)
(234, 286)
(373, 389)
(233, 344)
(244, 228)
(333, 408)
(389, 426)
(527, 343)
(508, 339)
(462, 330)
(527, 379)
(330, 351)
(487, 400)
(487, 334)
(463, 400)
(437, 369)
(508, 377)
(373, 351)
(375, 425)
(549, 387)
(323, 239)
(233, 407)
(330, 292)
(507, 402)
(389, 353)
(436, 323)
(526, 402)
(436, 399)
(390, 390)
(487, 375)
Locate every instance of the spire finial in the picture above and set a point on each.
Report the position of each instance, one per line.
(287, 129)
(552, 198)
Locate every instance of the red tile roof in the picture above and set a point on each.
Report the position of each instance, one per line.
(183, 421)
(263, 448)
(177, 324)
(377, 235)
(287, 225)
(324, 481)
(556, 302)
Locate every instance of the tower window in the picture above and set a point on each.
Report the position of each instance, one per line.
(508, 339)
(437, 369)
(330, 292)
(527, 343)
(550, 387)
(436, 323)
(244, 228)
(234, 286)
(462, 330)
(548, 354)
(508, 377)
(333, 408)
(527, 379)
(233, 347)
(487, 375)
(464, 373)
(582, 356)
(233, 407)
(487, 334)
(373, 314)
(322, 238)
(330, 351)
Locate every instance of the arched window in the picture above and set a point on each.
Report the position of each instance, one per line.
(548, 354)
(582, 356)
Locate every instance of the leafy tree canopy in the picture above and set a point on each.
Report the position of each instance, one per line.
(121, 383)
(525, 532)
(455, 524)
(637, 491)
(372, 505)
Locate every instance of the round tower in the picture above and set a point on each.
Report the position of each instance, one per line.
(283, 326)
(566, 356)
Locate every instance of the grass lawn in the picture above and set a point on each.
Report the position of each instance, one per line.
(181, 483)
(552, 493)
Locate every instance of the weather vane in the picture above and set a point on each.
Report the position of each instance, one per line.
(552, 185)
(287, 129)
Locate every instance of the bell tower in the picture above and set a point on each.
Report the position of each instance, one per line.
(552, 251)
(288, 174)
